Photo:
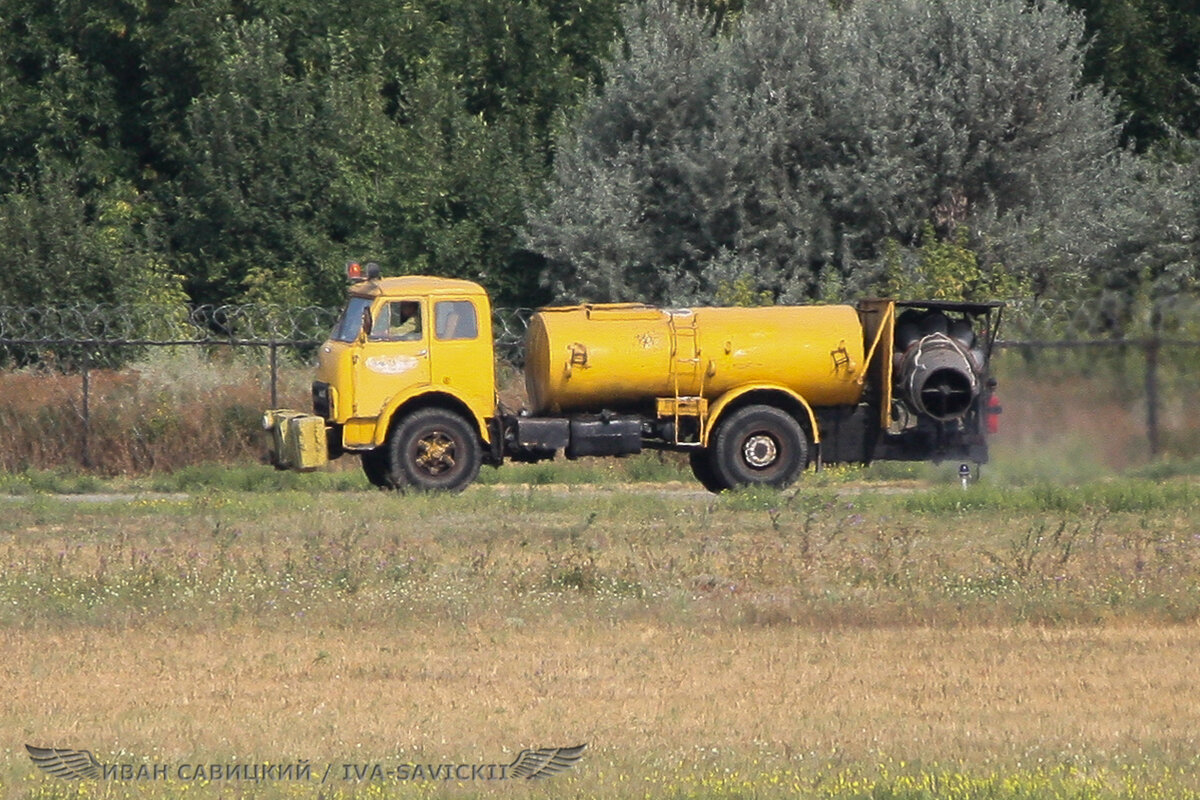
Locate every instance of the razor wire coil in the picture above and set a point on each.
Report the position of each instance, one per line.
(1101, 319)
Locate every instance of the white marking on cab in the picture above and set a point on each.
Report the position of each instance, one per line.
(392, 365)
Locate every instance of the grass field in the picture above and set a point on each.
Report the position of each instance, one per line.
(857, 637)
(166, 603)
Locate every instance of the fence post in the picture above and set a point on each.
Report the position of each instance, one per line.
(1152, 347)
(274, 374)
(86, 442)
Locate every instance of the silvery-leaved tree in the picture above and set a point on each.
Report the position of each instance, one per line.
(808, 150)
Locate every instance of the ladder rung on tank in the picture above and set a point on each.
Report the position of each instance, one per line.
(685, 365)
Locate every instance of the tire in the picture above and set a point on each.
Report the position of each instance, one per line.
(377, 466)
(434, 450)
(702, 468)
(759, 445)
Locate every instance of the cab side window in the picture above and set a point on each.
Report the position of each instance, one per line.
(455, 319)
(399, 320)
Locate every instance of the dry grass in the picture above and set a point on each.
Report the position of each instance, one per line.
(642, 693)
(814, 558)
(787, 639)
(172, 410)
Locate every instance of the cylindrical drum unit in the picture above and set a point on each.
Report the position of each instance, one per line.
(939, 377)
(595, 357)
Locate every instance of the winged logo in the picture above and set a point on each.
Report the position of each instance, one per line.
(544, 762)
(68, 764)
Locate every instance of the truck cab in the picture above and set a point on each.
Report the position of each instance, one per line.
(403, 348)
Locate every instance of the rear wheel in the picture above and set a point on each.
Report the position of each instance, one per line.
(436, 450)
(759, 445)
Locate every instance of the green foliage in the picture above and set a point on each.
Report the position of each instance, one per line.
(252, 147)
(943, 269)
(740, 291)
(799, 144)
(1154, 203)
(101, 246)
(1145, 53)
(75, 225)
(267, 143)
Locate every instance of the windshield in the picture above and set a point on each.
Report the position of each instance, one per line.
(350, 323)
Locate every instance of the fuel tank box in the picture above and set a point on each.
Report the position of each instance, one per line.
(298, 440)
(605, 437)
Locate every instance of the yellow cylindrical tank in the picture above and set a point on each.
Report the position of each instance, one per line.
(594, 357)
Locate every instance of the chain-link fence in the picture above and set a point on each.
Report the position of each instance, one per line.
(106, 420)
(84, 338)
(1149, 351)
(1145, 353)
(1101, 321)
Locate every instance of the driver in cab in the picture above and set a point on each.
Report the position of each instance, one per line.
(400, 321)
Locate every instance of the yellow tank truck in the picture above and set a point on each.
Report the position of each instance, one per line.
(406, 381)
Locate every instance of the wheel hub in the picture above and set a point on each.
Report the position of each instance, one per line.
(760, 451)
(435, 453)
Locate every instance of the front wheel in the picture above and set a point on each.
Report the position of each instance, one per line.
(435, 450)
(702, 468)
(760, 445)
(377, 466)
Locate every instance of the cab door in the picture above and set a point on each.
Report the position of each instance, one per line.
(464, 361)
(394, 358)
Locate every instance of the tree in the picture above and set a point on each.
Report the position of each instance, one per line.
(1145, 53)
(265, 154)
(75, 229)
(623, 209)
(475, 89)
(267, 141)
(795, 147)
(297, 152)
